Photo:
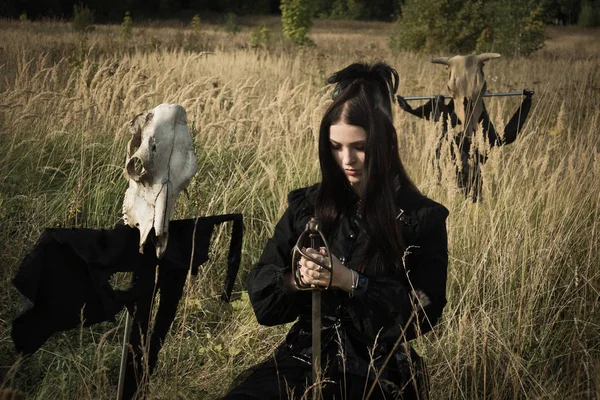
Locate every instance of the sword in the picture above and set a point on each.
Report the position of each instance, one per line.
(488, 94)
(315, 235)
(316, 329)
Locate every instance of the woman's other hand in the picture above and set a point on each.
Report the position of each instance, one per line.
(312, 273)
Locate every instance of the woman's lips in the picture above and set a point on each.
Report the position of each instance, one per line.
(352, 172)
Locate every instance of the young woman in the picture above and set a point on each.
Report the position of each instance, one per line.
(389, 254)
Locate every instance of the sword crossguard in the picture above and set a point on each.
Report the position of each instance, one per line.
(312, 232)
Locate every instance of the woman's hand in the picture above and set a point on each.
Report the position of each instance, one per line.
(313, 274)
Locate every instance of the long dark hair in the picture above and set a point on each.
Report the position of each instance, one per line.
(360, 102)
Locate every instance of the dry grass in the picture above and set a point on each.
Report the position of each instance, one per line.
(524, 286)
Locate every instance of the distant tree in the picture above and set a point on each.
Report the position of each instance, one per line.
(231, 23)
(384, 10)
(127, 26)
(562, 11)
(510, 27)
(260, 36)
(589, 17)
(296, 16)
(515, 27)
(83, 18)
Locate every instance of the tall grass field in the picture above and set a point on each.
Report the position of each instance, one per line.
(523, 313)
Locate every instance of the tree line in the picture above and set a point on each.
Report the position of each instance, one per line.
(113, 10)
(566, 11)
(510, 27)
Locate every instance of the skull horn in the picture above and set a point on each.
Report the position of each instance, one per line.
(487, 56)
(441, 60)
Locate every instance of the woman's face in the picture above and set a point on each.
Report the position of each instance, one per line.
(348, 149)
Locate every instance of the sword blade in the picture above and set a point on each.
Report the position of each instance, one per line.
(316, 329)
(316, 342)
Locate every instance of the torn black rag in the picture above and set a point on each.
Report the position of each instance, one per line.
(65, 278)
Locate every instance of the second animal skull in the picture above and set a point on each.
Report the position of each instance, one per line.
(160, 164)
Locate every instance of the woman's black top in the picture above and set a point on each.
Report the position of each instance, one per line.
(381, 306)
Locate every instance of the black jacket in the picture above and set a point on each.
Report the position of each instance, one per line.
(382, 305)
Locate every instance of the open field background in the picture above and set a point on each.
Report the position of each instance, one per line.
(523, 318)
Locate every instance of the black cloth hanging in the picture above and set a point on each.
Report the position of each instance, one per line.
(64, 280)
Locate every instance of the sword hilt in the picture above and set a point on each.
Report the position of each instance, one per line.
(312, 232)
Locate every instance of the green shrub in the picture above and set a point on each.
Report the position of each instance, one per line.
(420, 27)
(83, 18)
(509, 27)
(260, 36)
(347, 9)
(23, 17)
(126, 26)
(516, 28)
(296, 16)
(231, 23)
(195, 23)
(79, 53)
(589, 17)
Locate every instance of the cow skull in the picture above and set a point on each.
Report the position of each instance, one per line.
(466, 83)
(160, 163)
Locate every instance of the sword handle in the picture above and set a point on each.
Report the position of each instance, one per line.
(316, 237)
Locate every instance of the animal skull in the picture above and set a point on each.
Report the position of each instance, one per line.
(160, 163)
(466, 83)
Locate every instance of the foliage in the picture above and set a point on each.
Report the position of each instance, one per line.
(516, 27)
(347, 9)
(79, 54)
(195, 23)
(83, 18)
(509, 27)
(195, 40)
(23, 17)
(260, 36)
(126, 26)
(383, 10)
(231, 23)
(420, 26)
(296, 16)
(565, 11)
(589, 17)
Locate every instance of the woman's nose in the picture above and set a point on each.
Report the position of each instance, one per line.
(348, 156)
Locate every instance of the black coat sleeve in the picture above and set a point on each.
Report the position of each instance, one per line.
(511, 130)
(434, 108)
(488, 129)
(388, 303)
(517, 121)
(273, 297)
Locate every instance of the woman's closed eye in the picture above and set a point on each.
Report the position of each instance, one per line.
(356, 147)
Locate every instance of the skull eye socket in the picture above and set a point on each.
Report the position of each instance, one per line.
(138, 166)
(135, 169)
(135, 143)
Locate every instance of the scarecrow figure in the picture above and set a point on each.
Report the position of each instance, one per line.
(467, 86)
(65, 278)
